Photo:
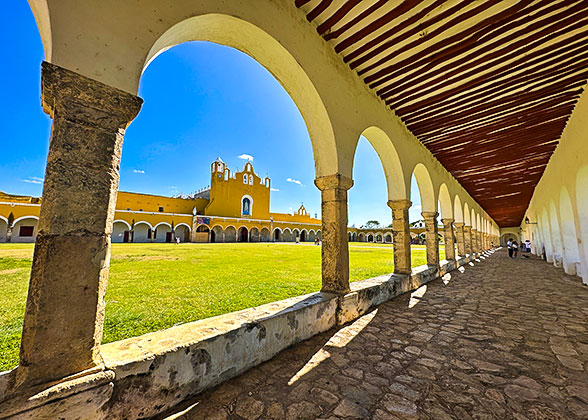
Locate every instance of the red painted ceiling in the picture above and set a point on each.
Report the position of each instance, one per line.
(487, 86)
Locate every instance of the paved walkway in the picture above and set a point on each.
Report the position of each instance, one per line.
(506, 339)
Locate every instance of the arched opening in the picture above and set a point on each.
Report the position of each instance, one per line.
(378, 178)
(457, 210)
(287, 235)
(582, 210)
(3, 229)
(546, 234)
(24, 229)
(142, 232)
(182, 232)
(120, 232)
(388, 238)
(303, 236)
(243, 234)
(277, 235)
(254, 235)
(444, 202)
(162, 233)
(265, 235)
(216, 234)
(555, 234)
(230, 234)
(202, 234)
(246, 206)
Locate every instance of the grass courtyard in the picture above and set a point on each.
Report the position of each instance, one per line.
(155, 286)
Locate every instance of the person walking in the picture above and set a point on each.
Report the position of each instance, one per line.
(515, 249)
(509, 247)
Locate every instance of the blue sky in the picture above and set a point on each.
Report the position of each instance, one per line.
(202, 101)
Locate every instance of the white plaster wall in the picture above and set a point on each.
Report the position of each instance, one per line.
(562, 193)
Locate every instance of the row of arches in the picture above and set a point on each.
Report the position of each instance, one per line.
(23, 229)
(164, 232)
(562, 228)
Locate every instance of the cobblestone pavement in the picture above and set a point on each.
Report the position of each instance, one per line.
(506, 339)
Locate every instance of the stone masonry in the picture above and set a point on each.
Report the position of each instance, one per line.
(481, 344)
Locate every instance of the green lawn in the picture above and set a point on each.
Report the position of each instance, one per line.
(155, 286)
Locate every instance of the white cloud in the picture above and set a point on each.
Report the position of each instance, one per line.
(138, 171)
(245, 156)
(295, 181)
(274, 189)
(33, 180)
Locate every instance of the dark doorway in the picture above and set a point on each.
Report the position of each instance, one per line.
(303, 236)
(168, 236)
(126, 236)
(212, 236)
(243, 235)
(276, 235)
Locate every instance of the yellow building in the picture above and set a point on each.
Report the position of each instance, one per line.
(234, 208)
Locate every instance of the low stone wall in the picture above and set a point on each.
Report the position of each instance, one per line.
(147, 375)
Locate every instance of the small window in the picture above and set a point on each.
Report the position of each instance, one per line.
(26, 231)
(245, 179)
(128, 208)
(220, 168)
(226, 174)
(267, 184)
(140, 209)
(213, 167)
(250, 179)
(160, 209)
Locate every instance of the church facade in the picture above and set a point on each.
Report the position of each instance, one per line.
(234, 208)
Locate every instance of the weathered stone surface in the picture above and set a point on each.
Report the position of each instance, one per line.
(467, 234)
(459, 234)
(448, 238)
(65, 305)
(401, 235)
(432, 237)
(334, 250)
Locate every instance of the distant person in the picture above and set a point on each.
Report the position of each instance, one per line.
(509, 247)
(528, 245)
(515, 249)
(177, 240)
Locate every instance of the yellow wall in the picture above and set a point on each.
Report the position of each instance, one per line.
(151, 203)
(227, 191)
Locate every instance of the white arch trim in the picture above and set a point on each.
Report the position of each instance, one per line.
(144, 223)
(122, 221)
(270, 53)
(183, 224)
(23, 218)
(162, 223)
(4, 218)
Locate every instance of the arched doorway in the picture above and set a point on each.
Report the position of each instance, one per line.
(230, 234)
(243, 234)
(265, 235)
(303, 236)
(202, 233)
(277, 235)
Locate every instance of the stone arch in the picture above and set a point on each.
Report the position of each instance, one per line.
(568, 232)
(379, 238)
(118, 235)
(478, 222)
(24, 229)
(3, 228)
(162, 232)
(182, 231)
(388, 238)
(362, 237)
(311, 235)
(277, 235)
(426, 190)
(546, 234)
(555, 232)
(216, 234)
(390, 161)
(243, 234)
(254, 235)
(287, 235)
(473, 219)
(445, 205)
(271, 54)
(457, 210)
(370, 237)
(230, 234)
(582, 211)
(265, 235)
(142, 232)
(466, 215)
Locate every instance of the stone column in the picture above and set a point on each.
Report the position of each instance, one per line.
(432, 237)
(449, 242)
(401, 236)
(483, 241)
(475, 245)
(461, 249)
(467, 234)
(335, 249)
(65, 306)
